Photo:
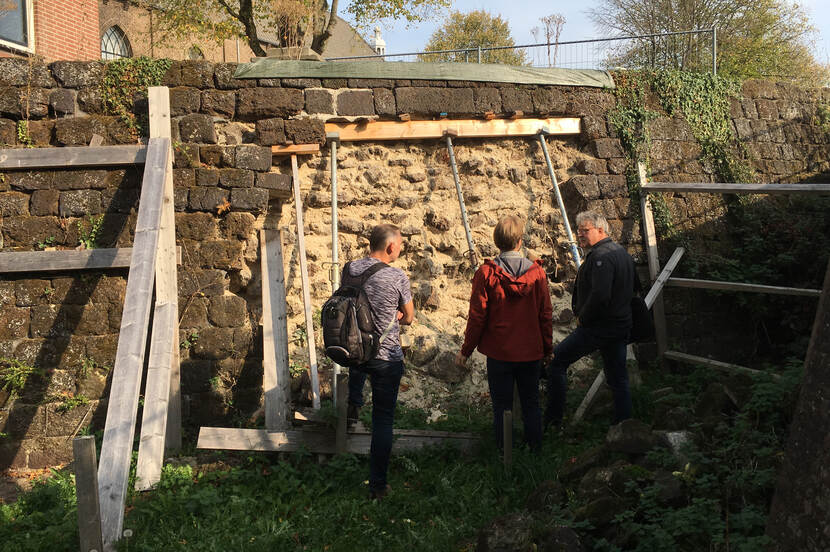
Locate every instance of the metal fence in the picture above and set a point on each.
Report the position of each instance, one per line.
(694, 50)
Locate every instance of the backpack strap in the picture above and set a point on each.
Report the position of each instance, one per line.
(360, 279)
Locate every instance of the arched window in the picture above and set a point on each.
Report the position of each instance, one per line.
(195, 53)
(115, 45)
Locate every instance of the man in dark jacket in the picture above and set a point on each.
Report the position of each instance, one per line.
(510, 322)
(602, 303)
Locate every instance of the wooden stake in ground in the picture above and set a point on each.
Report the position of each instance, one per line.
(275, 378)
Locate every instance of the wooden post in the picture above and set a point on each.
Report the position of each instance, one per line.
(507, 432)
(275, 378)
(650, 236)
(342, 409)
(309, 322)
(86, 489)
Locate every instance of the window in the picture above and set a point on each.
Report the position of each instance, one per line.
(115, 45)
(16, 24)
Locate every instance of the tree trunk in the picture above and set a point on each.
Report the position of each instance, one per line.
(318, 44)
(246, 17)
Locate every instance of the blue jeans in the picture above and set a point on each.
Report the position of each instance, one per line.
(500, 376)
(580, 343)
(385, 377)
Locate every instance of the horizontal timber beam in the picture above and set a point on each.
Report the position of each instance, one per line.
(89, 259)
(715, 188)
(467, 128)
(734, 286)
(716, 364)
(82, 156)
(357, 442)
(296, 149)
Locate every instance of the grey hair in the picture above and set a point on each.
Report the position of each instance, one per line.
(381, 235)
(594, 218)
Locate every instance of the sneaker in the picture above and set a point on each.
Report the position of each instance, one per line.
(379, 494)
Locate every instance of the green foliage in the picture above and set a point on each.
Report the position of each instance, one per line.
(127, 79)
(14, 374)
(88, 236)
(823, 117)
(46, 242)
(23, 135)
(70, 402)
(471, 30)
(190, 339)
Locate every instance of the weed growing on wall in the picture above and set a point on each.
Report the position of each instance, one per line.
(128, 79)
(88, 237)
(14, 374)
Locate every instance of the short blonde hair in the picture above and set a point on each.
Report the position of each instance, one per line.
(508, 232)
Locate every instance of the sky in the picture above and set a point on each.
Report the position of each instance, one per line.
(523, 15)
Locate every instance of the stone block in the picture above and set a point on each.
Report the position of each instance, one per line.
(236, 178)
(433, 101)
(270, 132)
(237, 225)
(355, 102)
(221, 254)
(195, 226)
(195, 281)
(514, 99)
(371, 83)
(214, 344)
(79, 203)
(197, 128)
(548, 100)
(262, 103)
(75, 74)
(66, 320)
(193, 314)
(13, 203)
(184, 100)
(196, 375)
(305, 131)
(592, 166)
(227, 311)
(184, 178)
(20, 72)
(253, 199)
(754, 89)
(606, 148)
(119, 201)
(44, 203)
(78, 131)
(185, 156)
(223, 77)
(384, 101)
(252, 157)
(62, 102)
(207, 177)
(334, 83)
(14, 322)
(198, 74)
(219, 102)
(211, 155)
(24, 231)
(300, 83)
(90, 100)
(319, 100)
(274, 181)
(767, 109)
(487, 99)
(207, 198)
(8, 132)
(580, 188)
(180, 198)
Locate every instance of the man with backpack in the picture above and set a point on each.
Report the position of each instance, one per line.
(390, 304)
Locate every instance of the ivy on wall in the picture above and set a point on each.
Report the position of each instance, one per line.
(127, 79)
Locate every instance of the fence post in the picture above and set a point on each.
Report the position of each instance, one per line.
(86, 483)
(479, 54)
(714, 51)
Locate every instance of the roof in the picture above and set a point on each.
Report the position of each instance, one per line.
(344, 40)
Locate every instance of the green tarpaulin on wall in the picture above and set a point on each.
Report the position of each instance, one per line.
(269, 68)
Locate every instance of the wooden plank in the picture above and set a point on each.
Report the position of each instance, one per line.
(467, 128)
(296, 149)
(657, 286)
(719, 188)
(309, 322)
(55, 261)
(320, 442)
(275, 377)
(86, 485)
(735, 286)
(81, 156)
(650, 236)
(342, 410)
(116, 451)
(716, 364)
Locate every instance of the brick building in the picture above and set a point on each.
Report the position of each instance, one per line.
(110, 29)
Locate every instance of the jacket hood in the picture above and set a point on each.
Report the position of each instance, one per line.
(513, 286)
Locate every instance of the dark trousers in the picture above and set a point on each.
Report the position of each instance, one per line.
(580, 343)
(501, 376)
(385, 377)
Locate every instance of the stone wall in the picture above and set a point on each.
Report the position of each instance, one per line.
(228, 187)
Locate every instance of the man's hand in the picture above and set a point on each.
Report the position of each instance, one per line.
(460, 360)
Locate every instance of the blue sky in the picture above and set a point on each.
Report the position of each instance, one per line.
(523, 15)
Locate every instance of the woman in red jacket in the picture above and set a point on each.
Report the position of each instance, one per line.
(510, 322)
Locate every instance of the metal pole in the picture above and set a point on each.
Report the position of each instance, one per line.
(714, 51)
(460, 198)
(574, 250)
(333, 138)
(479, 54)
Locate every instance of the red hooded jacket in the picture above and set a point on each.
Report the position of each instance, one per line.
(510, 319)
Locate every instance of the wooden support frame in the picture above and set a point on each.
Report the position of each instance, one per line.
(295, 149)
(716, 364)
(650, 236)
(55, 261)
(72, 157)
(114, 466)
(161, 422)
(729, 188)
(467, 128)
(735, 286)
(275, 378)
(86, 484)
(324, 442)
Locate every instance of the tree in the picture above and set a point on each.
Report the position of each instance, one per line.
(295, 22)
(755, 38)
(471, 30)
(553, 24)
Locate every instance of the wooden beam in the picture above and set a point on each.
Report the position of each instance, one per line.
(716, 364)
(56, 261)
(650, 237)
(296, 149)
(323, 442)
(116, 450)
(82, 156)
(309, 321)
(86, 490)
(657, 286)
(718, 188)
(468, 128)
(735, 286)
(275, 379)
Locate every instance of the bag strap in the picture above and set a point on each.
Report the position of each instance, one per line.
(360, 279)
